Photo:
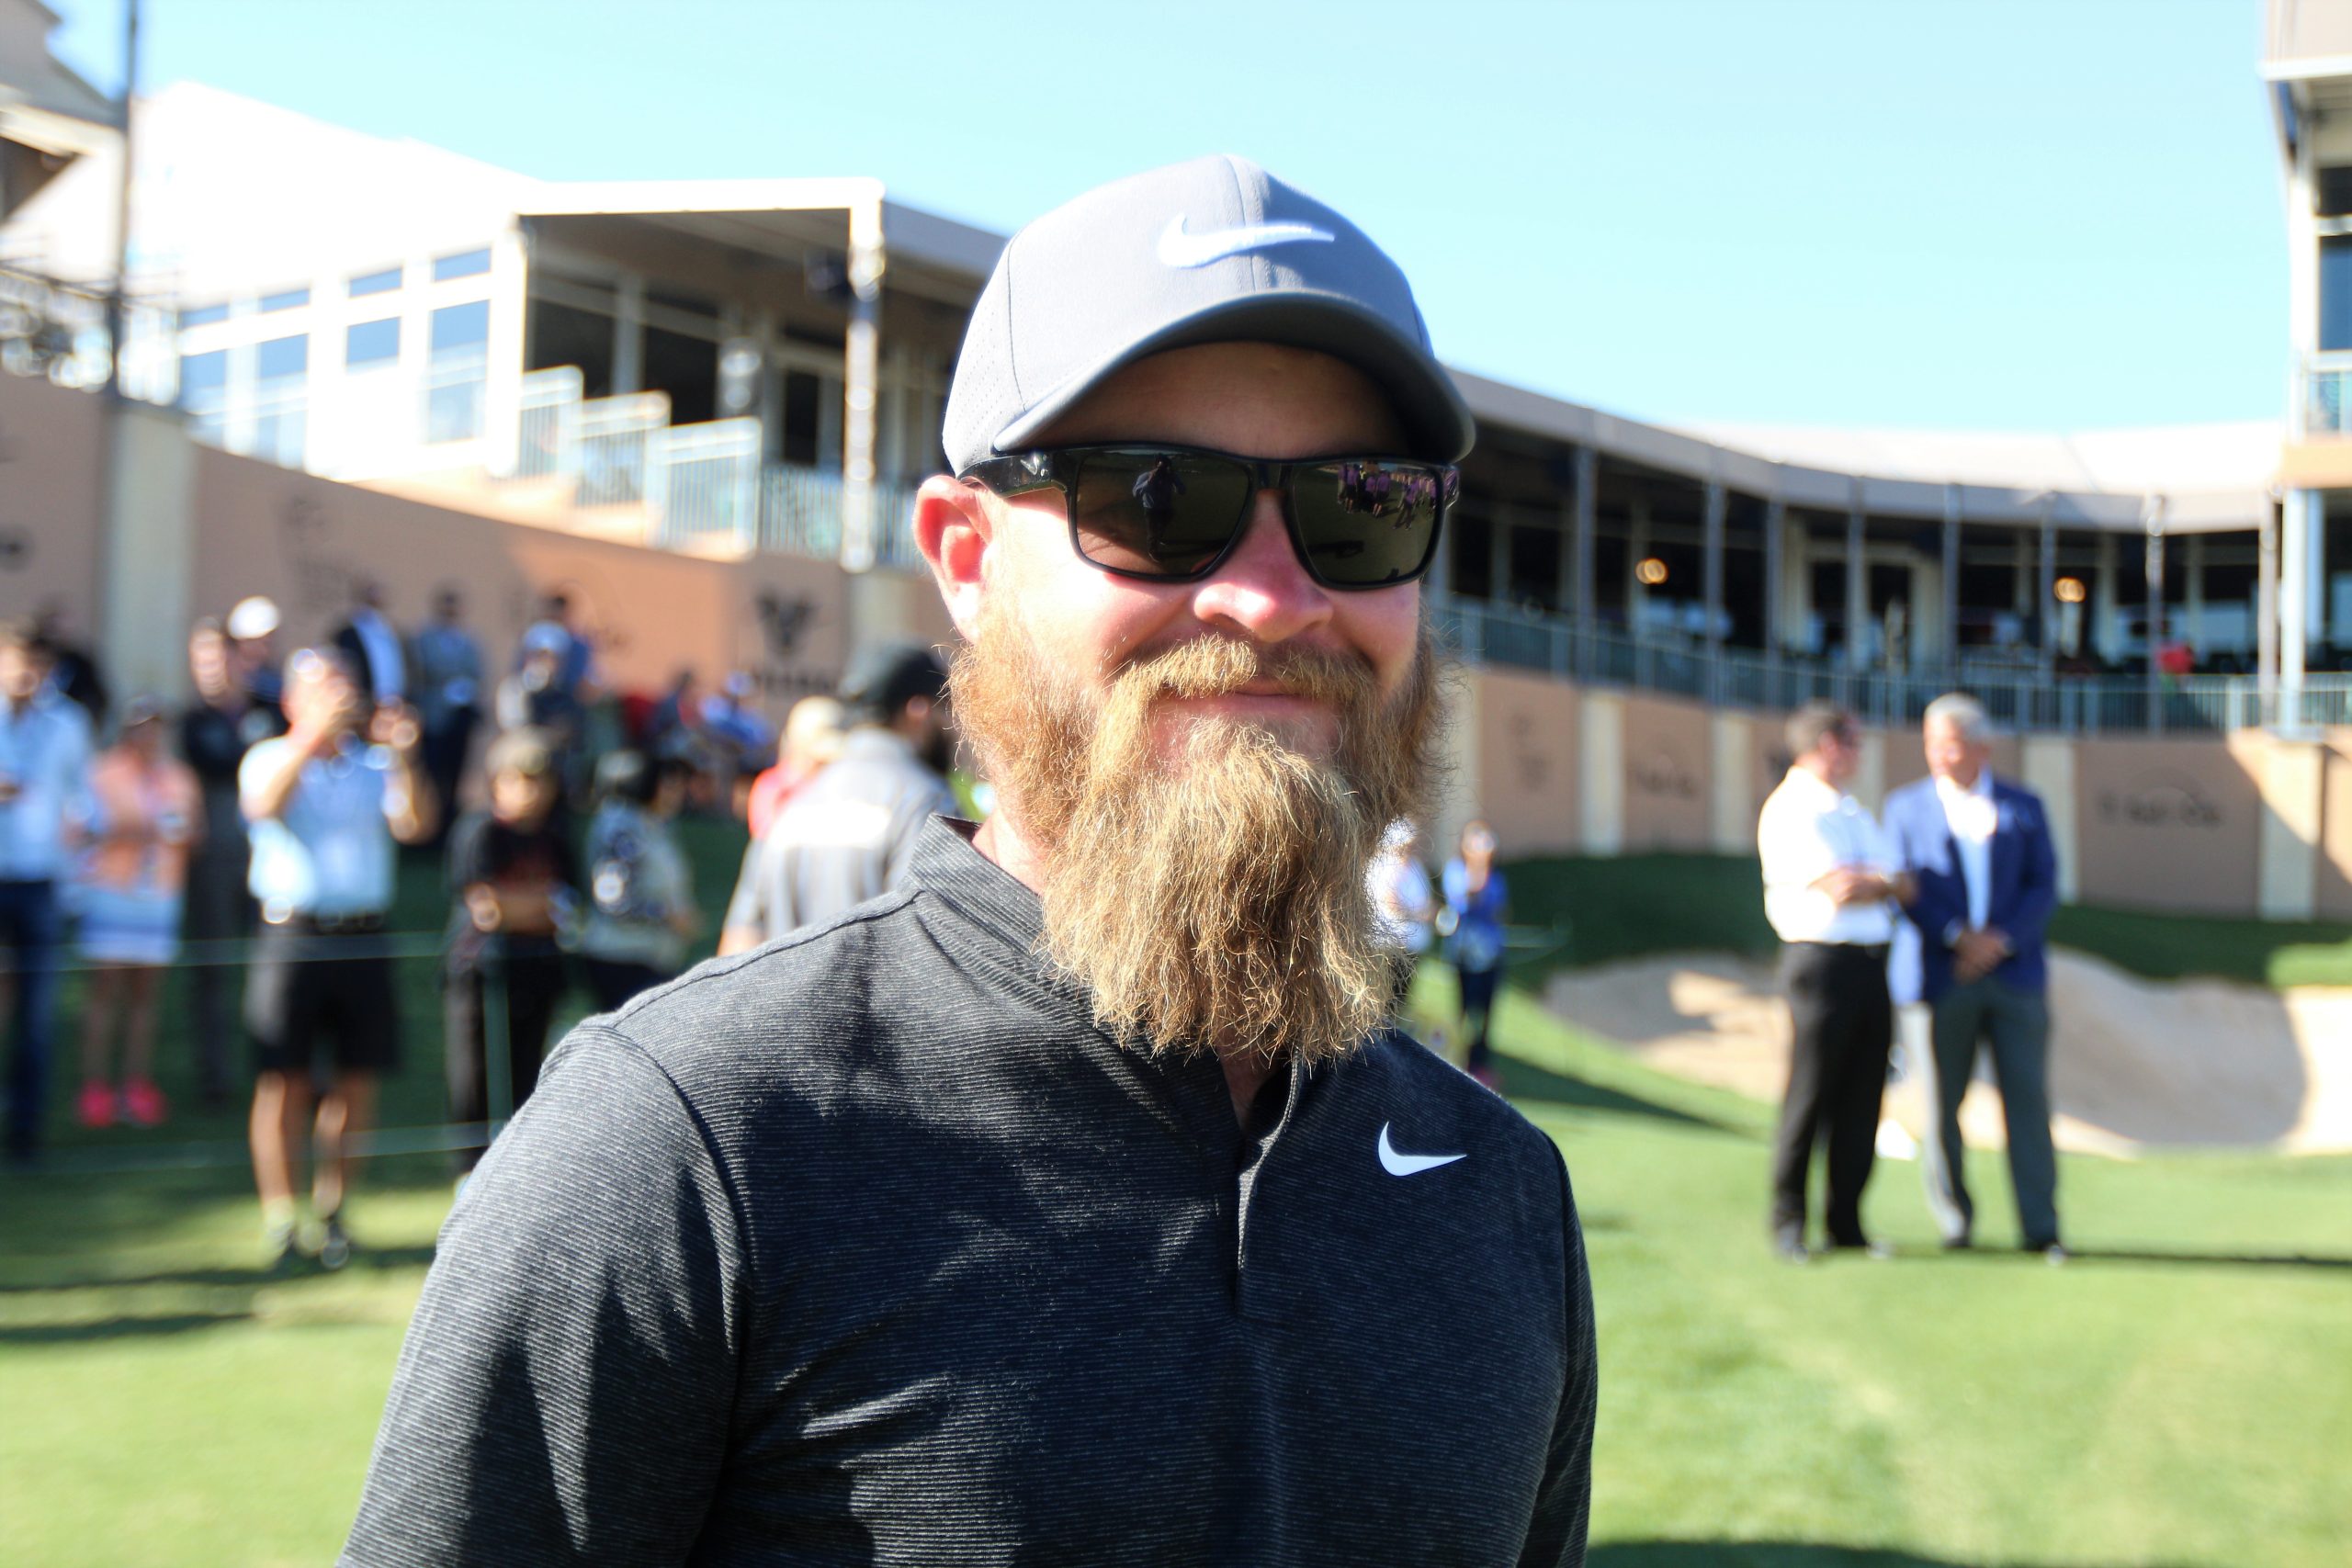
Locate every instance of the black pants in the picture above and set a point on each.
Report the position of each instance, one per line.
(533, 985)
(218, 914)
(1844, 1022)
(1478, 988)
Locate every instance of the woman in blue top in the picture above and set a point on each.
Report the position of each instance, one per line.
(1476, 901)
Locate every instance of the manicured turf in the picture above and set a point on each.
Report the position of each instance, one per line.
(1637, 905)
(2181, 1394)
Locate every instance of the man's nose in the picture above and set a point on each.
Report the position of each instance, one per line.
(1262, 590)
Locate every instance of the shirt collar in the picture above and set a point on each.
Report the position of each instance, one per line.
(946, 862)
(1981, 789)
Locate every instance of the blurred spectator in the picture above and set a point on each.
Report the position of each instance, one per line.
(731, 720)
(641, 909)
(146, 812)
(848, 835)
(535, 696)
(253, 633)
(2175, 659)
(677, 718)
(1476, 901)
(215, 732)
(516, 891)
(324, 807)
(576, 665)
(447, 662)
(735, 741)
(370, 646)
(812, 738)
(44, 789)
(1402, 899)
(73, 669)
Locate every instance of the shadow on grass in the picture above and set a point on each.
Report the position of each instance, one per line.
(1522, 1081)
(114, 1328)
(365, 1260)
(1762, 1554)
(2145, 1255)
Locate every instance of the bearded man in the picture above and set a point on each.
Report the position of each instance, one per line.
(1073, 1202)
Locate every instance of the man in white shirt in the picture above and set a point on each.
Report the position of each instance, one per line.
(1830, 887)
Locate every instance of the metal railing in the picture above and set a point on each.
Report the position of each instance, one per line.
(702, 483)
(615, 438)
(549, 436)
(2016, 698)
(2320, 404)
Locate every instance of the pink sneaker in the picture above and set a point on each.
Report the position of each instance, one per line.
(95, 1106)
(144, 1104)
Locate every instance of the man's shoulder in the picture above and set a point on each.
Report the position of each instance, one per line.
(1447, 1104)
(1908, 796)
(2015, 792)
(811, 996)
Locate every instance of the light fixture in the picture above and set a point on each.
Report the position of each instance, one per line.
(1650, 570)
(2069, 589)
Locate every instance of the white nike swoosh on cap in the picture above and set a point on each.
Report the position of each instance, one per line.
(1177, 248)
(1396, 1164)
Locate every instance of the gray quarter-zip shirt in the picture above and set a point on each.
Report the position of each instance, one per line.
(867, 1247)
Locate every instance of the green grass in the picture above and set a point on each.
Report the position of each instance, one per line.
(2180, 1395)
(1637, 905)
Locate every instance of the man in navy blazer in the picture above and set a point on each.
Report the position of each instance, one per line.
(1970, 951)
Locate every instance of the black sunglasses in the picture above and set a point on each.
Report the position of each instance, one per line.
(1174, 513)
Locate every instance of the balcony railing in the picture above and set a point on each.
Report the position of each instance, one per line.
(2323, 403)
(2017, 699)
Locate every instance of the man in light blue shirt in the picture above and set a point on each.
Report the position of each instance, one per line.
(324, 803)
(44, 786)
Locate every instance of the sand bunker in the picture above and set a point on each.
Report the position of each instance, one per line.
(2133, 1064)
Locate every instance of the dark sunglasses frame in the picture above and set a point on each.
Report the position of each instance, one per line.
(1057, 468)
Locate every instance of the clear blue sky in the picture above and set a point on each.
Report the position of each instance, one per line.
(1992, 214)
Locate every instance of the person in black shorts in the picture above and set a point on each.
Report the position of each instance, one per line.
(322, 805)
(516, 890)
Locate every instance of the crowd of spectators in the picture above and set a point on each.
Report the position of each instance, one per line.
(250, 841)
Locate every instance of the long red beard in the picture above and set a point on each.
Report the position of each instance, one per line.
(1211, 894)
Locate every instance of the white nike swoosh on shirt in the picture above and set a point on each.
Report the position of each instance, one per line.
(1177, 248)
(1396, 1164)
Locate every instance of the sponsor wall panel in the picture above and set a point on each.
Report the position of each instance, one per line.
(1669, 750)
(49, 501)
(1526, 729)
(306, 542)
(2333, 900)
(2169, 825)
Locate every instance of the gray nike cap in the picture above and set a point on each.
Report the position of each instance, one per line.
(1215, 249)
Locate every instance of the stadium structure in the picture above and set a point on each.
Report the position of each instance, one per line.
(746, 376)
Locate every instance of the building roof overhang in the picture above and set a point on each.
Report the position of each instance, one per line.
(783, 220)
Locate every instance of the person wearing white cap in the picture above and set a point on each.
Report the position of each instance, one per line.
(253, 628)
(1072, 1202)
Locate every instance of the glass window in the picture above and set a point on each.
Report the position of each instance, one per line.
(372, 342)
(281, 357)
(291, 299)
(203, 375)
(382, 282)
(457, 327)
(203, 316)
(459, 368)
(465, 264)
(281, 368)
(204, 393)
(2335, 292)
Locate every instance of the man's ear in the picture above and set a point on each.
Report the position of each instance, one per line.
(955, 528)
